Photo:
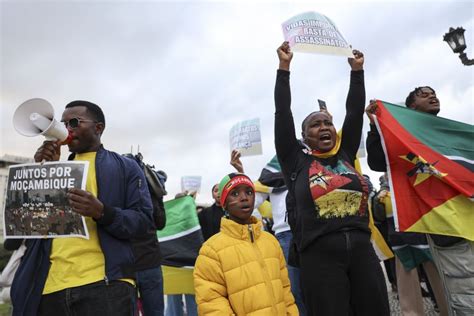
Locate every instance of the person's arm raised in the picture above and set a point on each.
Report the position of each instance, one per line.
(235, 161)
(355, 103)
(285, 55)
(356, 62)
(375, 154)
(285, 135)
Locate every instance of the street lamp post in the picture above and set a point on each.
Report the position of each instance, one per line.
(455, 40)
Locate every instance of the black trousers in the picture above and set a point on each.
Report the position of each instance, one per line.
(341, 276)
(117, 298)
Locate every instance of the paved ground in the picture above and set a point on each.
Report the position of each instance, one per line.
(395, 306)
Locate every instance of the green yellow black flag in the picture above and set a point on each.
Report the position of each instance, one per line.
(180, 242)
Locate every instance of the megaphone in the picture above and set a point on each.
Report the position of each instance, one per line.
(36, 117)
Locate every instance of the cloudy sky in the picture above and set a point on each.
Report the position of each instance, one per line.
(173, 77)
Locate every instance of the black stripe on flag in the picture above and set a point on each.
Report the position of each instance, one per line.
(181, 251)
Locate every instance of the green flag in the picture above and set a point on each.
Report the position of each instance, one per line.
(181, 238)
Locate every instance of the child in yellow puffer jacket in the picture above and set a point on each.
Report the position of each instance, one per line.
(242, 270)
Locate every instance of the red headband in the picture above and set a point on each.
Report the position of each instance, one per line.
(235, 181)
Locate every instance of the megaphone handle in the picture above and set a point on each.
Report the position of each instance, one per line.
(48, 151)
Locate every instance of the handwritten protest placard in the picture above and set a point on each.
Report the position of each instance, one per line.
(245, 137)
(312, 32)
(37, 205)
(191, 183)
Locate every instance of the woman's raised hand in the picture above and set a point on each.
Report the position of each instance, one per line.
(356, 62)
(285, 55)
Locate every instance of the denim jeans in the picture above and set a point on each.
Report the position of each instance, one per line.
(174, 306)
(284, 238)
(115, 298)
(150, 287)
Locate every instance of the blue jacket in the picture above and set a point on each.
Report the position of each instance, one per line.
(127, 214)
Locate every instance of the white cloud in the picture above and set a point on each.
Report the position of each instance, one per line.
(174, 77)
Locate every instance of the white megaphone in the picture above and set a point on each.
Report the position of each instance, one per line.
(36, 117)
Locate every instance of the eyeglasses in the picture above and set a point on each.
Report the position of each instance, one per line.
(74, 122)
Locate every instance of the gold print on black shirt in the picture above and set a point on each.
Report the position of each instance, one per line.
(330, 199)
(339, 203)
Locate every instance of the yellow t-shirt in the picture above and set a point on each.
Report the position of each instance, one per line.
(77, 261)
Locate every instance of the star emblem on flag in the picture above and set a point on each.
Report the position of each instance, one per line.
(423, 169)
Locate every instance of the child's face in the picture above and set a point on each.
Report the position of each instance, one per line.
(240, 203)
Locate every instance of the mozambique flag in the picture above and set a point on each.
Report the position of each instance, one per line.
(180, 242)
(430, 161)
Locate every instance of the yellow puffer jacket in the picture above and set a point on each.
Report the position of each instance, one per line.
(242, 271)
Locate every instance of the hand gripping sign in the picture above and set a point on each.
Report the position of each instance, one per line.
(312, 32)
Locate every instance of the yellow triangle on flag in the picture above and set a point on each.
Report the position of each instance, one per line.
(452, 218)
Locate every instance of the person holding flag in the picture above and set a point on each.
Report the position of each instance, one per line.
(452, 254)
(340, 270)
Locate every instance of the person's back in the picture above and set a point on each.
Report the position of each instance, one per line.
(242, 270)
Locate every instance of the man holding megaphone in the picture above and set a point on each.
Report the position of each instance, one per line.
(76, 276)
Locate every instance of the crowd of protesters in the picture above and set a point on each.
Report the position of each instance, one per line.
(316, 259)
(41, 219)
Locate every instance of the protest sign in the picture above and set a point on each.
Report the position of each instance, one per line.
(37, 205)
(312, 32)
(191, 183)
(245, 137)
